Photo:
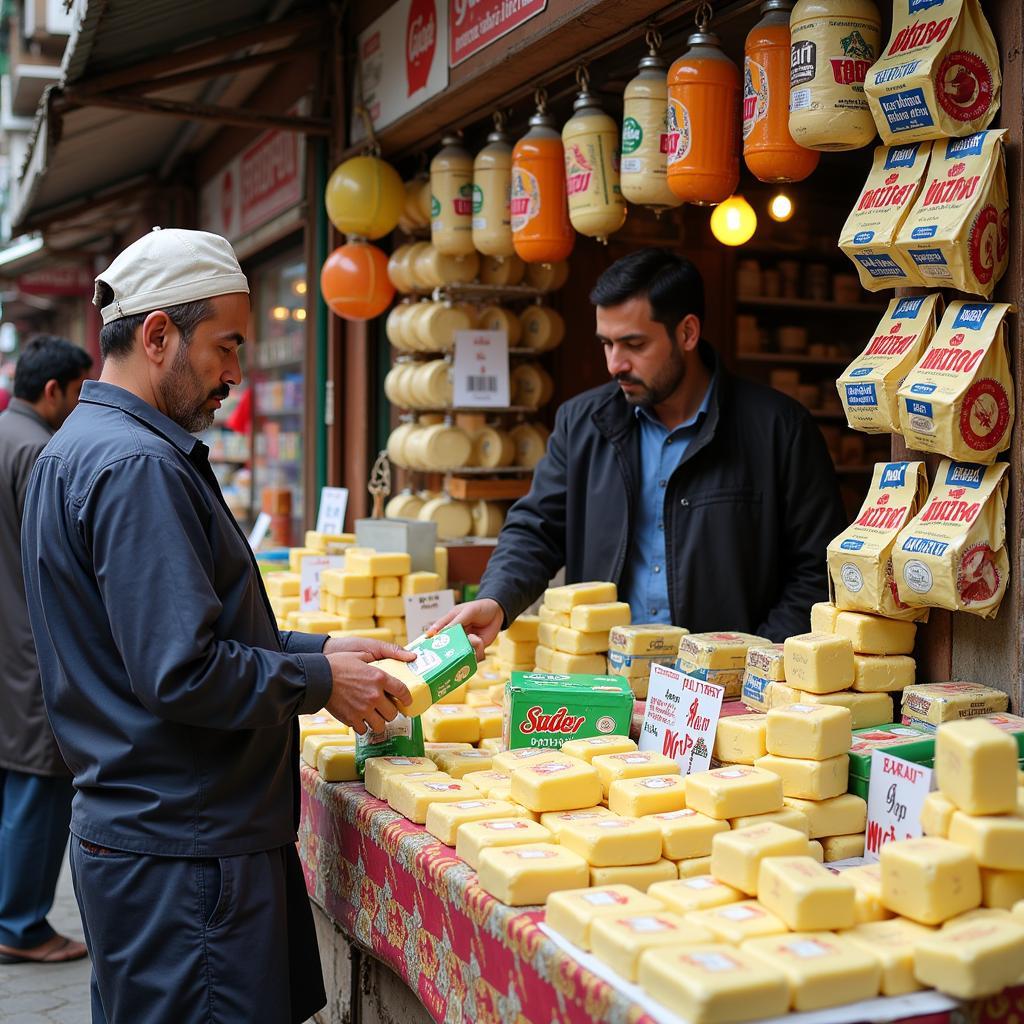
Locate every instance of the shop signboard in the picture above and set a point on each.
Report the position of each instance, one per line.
(409, 35)
(70, 280)
(475, 24)
(681, 718)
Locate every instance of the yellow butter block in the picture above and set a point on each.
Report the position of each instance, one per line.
(282, 606)
(572, 641)
(376, 770)
(816, 850)
(693, 867)
(363, 634)
(1018, 911)
(976, 767)
(893, 943)
(994, 840)
(980, 914)
(972, 959)
(736, 856)
(929, 880)
(355, 624)
(734, 792)
(521, 876)
(652, 794)
(488, 780)
(564, 784)
(823, 617)
(842, 847)
(388, 608)
(594, 746)
(883, 673)
(391, 782)
(337, 763)
(866, 709)
(291, 621)
(524, 629)
(412, 798)
(819, 662)
(458, 763)
(620, 939)
(838, 816)
(450, 723)
(867, 880)
(509, 760)
(1001, 889)
(610, 842)
(702, 892)
(295, 557)
(492, 744)
(564, 599)
(873, 634)
(478, 698)
(822, 969)
(719, 651)
(936, 815)
(396, 626)
(790, 817)
(598, 618)
(737, 922)
(473, 838)
(420, 696)
(804, 895)
(546, 614)
(768, 662)
(632, 764)
(640, 876)
(815, 732)
(441, 564)
(321, 722)
(646, 639)
(456, 696)
(317, 622)
(563, 664)
(432, 748)
(740, 739)
(343, 584)
(388, 586)
(713, 984)
(495, 692)
(283, 584)
(354, 607)
(557, 820)
(516, 651)
(420, 583)
(322, 541)
(572, 913)
(491, 720)
(312, 745)
(444, 820)
(377, 563)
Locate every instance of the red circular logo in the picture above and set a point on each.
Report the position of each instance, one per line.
(420, 44)
(983, 244)
(978, 577)
(964, 86)
(984, 415)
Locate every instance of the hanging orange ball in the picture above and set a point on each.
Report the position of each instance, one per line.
(354, 281)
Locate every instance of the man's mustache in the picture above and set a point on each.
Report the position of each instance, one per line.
(221, 393)
(627, 378)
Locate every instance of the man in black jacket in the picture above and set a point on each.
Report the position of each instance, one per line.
(708, 499)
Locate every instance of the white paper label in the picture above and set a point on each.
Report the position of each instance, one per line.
(309, 586)
(259, 530)
(681, 718)
(896, 797)
(480, 370)
(423, 610)
(330, 517)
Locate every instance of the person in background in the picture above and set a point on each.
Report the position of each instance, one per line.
(35, 784)
(708, 499)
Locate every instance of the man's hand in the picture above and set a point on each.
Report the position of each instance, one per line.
(376, 650)
(480, 619)
(365, 696)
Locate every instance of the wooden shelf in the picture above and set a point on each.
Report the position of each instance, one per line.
(471, 488)
(499, 471)
(781, 359)
(810, 306)
(487, 291)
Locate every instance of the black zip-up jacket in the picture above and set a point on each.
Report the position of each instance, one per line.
(749, 511)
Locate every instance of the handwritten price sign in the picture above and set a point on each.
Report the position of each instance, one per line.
(896, 796)
(681, 718)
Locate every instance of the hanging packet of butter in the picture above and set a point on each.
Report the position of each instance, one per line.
(401, 737)
(860, 558)
(939, 74)
(958, 232)
(869, 235)
(958, 401)
(952, 554)
(868, 386)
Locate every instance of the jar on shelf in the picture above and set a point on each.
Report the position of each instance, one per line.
(748, 279)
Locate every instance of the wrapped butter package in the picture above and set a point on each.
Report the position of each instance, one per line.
(868, 387)
(401, 737)
(869, 235)
(958, 401)
(718, 658)
(765, 666)
(935, 703)
(958, 232)
(860, 558)
(952, 554)
(443, 663)
(939, 74)
(653, 640)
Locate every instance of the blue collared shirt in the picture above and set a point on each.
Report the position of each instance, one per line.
(170, 690)
(645, 582)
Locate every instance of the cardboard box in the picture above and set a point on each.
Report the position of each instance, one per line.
(445, 661)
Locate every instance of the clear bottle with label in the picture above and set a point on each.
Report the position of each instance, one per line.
(591, 141)
(833, 44)
(768, 148)
(644, 167)
(451, 188)
(492, 193)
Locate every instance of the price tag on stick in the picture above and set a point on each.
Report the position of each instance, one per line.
(480, 369)
(330, 518)
(896, 796)
(681, 718)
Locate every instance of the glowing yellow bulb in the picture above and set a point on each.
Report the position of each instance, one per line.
(299, 287)
(280, 313)
(299, 314)
(781, 207)
(734, 221)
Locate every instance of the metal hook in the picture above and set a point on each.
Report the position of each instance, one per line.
(652, 37)
(703, 15)
(583, 78)
(372, 145)
(499, 118)
(540, 99)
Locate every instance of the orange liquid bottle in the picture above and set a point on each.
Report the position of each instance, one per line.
(541, 231)
(768, 148)
(704, 92)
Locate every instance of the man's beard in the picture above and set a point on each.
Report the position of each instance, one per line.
(664, 384)
(184, 396)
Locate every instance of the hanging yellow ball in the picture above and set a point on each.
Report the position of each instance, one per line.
(365, 197)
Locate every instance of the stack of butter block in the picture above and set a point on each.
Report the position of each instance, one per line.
(635, 649)
(718, 658)
(516, 648)
(575, 621)
(328, 746)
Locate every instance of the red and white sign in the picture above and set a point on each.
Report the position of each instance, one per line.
(475, 24)
(681, 718)
(68, 280)
(896, 796)
(410, 35)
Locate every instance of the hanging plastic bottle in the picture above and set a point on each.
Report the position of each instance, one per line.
(591, 141)
(834, 42)
(492, 191)
(451, 187)
(541, 231)
(704, 93)
(644, 170)
(768, 148)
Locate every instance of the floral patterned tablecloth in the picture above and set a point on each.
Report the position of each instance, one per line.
(392, 887)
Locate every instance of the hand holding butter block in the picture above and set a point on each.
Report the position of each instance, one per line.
(443, 662)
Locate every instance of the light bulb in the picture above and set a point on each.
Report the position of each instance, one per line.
(781, 207)
(734, 221)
